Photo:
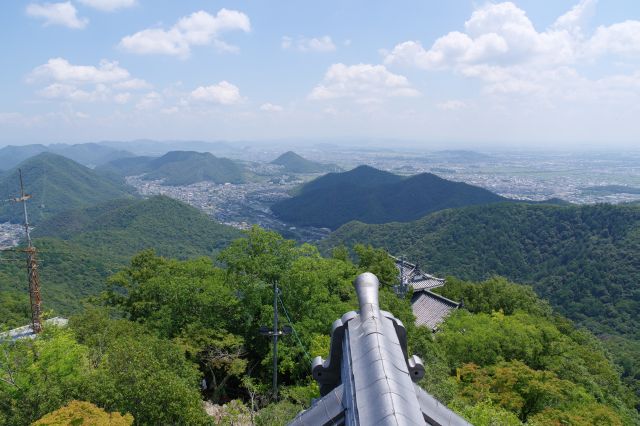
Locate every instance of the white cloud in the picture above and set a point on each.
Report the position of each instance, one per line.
(108, 82)
(452, 105)
(622, 39)
(64, 14)
(363, 83)
(108, 5)
(69, 92)
(501, 47)
(269, 107)
(223, 93)
(149, 101)
(60, 70)
(576, 18)
(198, 29)
(302, 44)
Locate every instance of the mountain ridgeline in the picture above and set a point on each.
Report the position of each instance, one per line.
(88, 154)
(179, 168)
(294, 163)
(55, 183)
(370, 195)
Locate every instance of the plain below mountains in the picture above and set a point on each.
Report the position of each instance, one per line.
(179, 168)
(80, 248)
(294, 163)
(88, 154)
(55, 183)
(370, 195)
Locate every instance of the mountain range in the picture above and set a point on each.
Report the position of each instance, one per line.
(88, 154)
(375, 196)
(179, 168)
(55, 183)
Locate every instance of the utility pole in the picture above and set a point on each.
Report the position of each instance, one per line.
(275, 340)
(274, 333)
(32, 264)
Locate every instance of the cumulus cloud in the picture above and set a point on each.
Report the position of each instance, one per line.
(85, 83)
(362, 83)
(621, 39)
(64, 14)
(223, 93)
(303, 44)
(501, 47)
(72, 93)
(269, 107)
(198, 29)
(59, 69)
(108, 5)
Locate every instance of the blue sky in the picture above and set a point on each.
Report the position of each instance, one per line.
(552, 73)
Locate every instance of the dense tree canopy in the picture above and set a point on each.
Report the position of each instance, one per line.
(170, 339)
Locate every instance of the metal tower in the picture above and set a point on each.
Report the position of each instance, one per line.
(32, 264)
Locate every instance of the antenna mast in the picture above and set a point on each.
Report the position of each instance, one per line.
(32, 264)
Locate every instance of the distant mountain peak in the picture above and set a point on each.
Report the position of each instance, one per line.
(371, 195)
(295, 163)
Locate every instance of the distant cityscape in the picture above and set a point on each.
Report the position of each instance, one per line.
(577, 178)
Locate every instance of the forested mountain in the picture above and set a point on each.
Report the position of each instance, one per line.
(80, 248)
(56, 183)
(583, 259)
(294, 163)
(88, 154)
(164, 325)
(374, 196)
(180, 168)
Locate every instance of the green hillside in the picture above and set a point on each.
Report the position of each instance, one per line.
(374, 196)
(294, 163)
(583, 259)
(56, 184)
(179, 168)
(505, 359)
(80, 248)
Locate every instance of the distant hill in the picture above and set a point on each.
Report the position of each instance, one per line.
(583, 259)
(80, 248)
(294, 163)
(374, 196)
(56, 184)
(179, 168)
(88, 154)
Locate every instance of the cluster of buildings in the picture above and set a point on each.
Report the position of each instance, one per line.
(10, 235)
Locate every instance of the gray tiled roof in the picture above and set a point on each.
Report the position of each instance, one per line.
(415, 277)
(368, 378)
(430, 308)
